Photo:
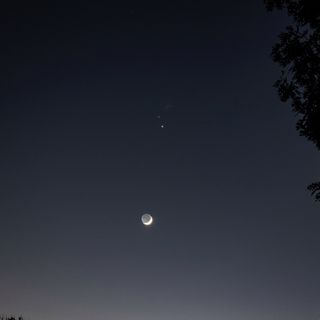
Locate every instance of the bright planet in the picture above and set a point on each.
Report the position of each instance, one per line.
(147, 219)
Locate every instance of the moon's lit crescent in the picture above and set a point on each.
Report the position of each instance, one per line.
(149, 222)
(147, 219)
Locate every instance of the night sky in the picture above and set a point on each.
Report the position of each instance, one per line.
(84, 92)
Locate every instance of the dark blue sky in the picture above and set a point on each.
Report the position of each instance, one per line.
(236, 235)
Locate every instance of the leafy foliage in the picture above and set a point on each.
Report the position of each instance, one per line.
(298, 54)
(315, 190)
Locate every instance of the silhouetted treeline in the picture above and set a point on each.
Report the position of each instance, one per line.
(297, 52)
(11, 318)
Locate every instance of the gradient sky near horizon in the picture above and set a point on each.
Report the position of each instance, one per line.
(83, 156)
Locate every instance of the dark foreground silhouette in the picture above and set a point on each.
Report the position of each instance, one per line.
(298, 54)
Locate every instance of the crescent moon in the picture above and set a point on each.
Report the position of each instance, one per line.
(147, 219)
(149, 222)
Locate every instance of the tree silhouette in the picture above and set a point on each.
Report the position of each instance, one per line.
(298, 54)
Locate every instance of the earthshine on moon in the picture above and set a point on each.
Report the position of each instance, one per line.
(147, 219)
